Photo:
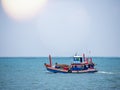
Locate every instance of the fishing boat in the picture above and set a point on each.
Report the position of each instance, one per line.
(81, 64)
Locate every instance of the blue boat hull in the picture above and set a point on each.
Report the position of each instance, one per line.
(54, 70)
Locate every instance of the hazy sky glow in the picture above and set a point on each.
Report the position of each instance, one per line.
(62, 28)
(22, 9)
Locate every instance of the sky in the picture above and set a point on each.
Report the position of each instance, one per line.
(60, 28)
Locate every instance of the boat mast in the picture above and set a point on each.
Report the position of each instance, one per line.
(50, 59)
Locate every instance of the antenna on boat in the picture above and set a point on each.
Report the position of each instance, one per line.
(84, 56)
(76, 54)
(50, 59)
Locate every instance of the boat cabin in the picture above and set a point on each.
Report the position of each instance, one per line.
(77, 59)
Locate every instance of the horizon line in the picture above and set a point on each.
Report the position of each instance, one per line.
(55, 56)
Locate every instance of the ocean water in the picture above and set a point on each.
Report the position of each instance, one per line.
(30, 74)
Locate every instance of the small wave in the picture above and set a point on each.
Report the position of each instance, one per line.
(104, 72)
(48, 72)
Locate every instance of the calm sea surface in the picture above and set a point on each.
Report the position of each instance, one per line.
(30, 74)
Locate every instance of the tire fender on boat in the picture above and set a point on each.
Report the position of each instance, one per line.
(69, 71)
